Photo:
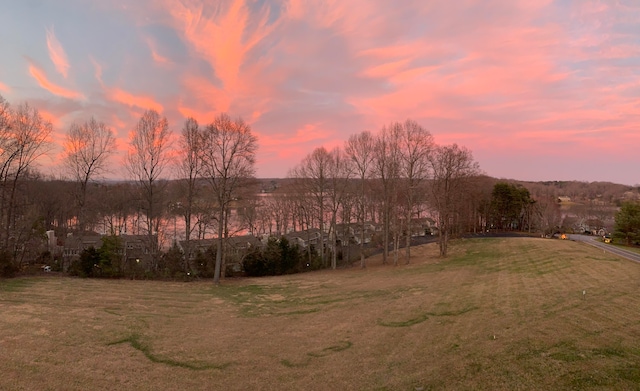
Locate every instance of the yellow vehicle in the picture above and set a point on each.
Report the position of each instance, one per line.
(608, 239)
(563, 236)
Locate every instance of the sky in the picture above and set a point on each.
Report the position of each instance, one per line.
(537, 89)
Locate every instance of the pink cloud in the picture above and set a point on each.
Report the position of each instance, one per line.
(4, 87)
(129, 99)
(304, 135)
(284, 150)
(201, 117)
(117, 123)
(505, 77)
(48, 116)
(224, 36)
(325, 14)
(521, 77)
(388, 69)
(57, 53)
(97, 69)
(204, 97)
(157, 58)
(41, 78)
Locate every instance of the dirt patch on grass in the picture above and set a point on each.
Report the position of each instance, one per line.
(504, 313)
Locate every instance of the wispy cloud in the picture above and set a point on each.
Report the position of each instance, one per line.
(225, 36)
(140, 101)
(97, 69)
(157, 57)
(57, 53)
(307, 134)
(48, 116)
(39, 75)
(291, 146)
(520, 78)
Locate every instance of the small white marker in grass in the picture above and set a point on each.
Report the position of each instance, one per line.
(584, 294)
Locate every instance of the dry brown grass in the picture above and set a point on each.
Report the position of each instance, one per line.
(497, 314)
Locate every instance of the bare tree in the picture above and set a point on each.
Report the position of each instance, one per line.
(312, 178)
(347, 214)
(5, 121)
(190, 168)
(87, 148)
(453, 167)
(277, 208)
(228, 162)
(359, 148)
(339, 175)
(28, 140)
(304, 214)
(250, 213)
(146, 161)
(115, 208)
(7, 151)
(416, 145)
(479, 203)
(549, 214)
(387, 169)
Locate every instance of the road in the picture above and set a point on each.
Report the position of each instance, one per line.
(595, 242)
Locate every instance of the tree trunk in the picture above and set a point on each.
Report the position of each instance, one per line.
(385, 233)
(408, 243)
(218, 266)
(364, 219)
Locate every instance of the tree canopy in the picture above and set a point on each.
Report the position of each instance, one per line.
(509, 206)
(627, 226)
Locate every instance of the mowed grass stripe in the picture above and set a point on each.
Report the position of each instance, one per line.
(496, 314)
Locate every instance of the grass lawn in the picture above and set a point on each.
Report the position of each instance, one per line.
(625, 247)
(502, 313)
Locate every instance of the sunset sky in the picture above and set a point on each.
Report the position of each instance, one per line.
(536, 89)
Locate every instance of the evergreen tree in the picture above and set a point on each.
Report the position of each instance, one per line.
(627, 226)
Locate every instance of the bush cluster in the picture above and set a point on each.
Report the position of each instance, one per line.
(95, 263)
(7, 267)
(102, 262)
(278, 257)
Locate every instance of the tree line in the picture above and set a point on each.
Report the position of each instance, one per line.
(389, 180)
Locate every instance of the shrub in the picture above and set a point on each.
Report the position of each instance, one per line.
(7, 266)
(110, 255)
(100, 263)
(256, 265)
(277, 258)
(84, 267)
(172, 263)
(205, 262)
(311, 261)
